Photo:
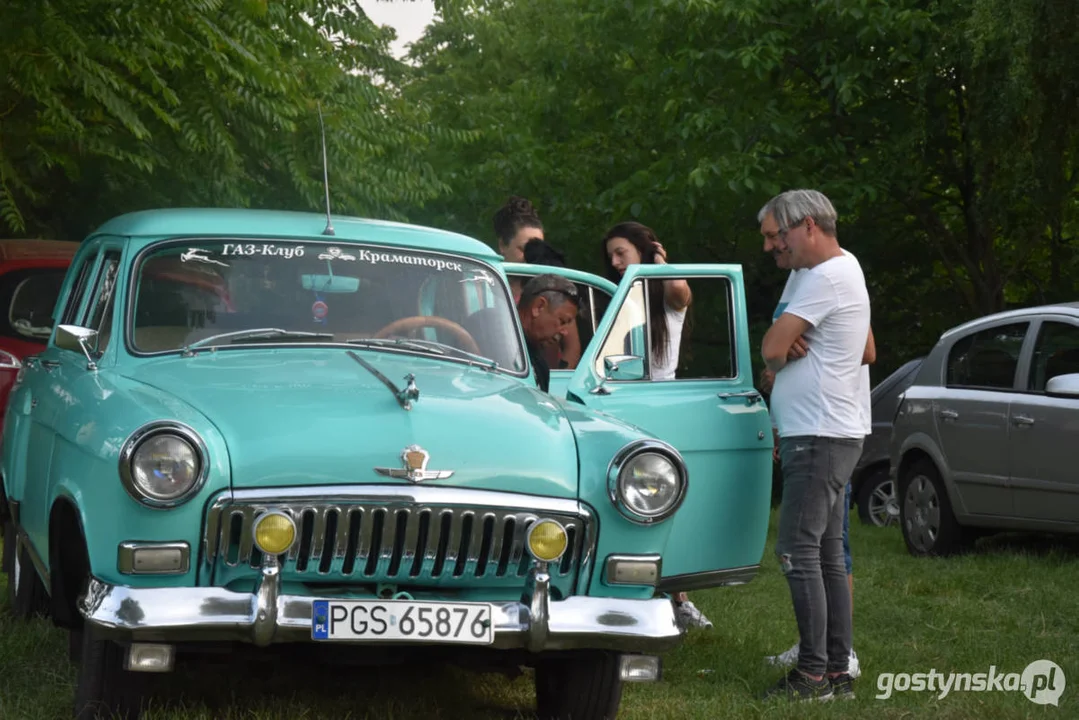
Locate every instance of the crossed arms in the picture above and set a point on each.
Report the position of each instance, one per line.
(783, 342)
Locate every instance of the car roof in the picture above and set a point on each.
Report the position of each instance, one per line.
(238, 222)
(1070, 308)
(36, 249)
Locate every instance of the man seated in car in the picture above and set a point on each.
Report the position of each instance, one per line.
(548, 308)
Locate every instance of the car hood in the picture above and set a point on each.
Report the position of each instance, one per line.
(299, 416)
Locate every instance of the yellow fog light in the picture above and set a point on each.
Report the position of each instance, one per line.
(547, 540)
(274, 533)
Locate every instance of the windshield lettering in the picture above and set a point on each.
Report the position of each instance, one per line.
(196, 294)
(265, 250)
(385, 257)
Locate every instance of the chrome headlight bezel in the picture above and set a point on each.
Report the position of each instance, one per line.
(147, 432)
(622, 460)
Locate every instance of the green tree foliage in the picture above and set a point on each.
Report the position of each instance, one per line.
(109, 107)
(945, 133)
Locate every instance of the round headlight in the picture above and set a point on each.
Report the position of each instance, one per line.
(649, 485)
(163, 465)
(547, 540)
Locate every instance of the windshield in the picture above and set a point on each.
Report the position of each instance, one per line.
(321, 292)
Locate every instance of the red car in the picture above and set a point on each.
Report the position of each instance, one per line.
(31, 272)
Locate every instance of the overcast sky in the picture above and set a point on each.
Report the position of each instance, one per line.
(407, 17)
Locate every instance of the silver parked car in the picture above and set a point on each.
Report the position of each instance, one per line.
(983, 437)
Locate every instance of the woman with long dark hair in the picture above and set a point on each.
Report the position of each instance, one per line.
(631, 243)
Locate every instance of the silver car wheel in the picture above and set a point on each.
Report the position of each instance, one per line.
(884, 505)
(922, 506)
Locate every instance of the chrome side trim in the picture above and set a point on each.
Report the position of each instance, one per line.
(147, 431)
(627, 453)
(709, 579)
(125, 557)
(23, 541)
(192, 614)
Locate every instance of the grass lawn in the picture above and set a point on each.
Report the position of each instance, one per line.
(1010, 603)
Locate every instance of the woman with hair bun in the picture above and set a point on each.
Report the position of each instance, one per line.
(516, 223)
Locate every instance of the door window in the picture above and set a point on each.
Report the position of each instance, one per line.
(694, 343)
(987, 359)
(103, 300)
(629, 333)
(1056, 352)
(78, 289)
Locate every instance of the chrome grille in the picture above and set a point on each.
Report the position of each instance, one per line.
(397, 534)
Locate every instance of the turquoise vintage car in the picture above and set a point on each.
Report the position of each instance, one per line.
(262, 427)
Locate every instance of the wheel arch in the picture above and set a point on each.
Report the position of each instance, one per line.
(68, 562)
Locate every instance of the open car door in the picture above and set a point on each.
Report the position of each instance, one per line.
(710, 412)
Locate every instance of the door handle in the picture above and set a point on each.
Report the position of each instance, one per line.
(948, 414)
(1022, 420)
(751, 396)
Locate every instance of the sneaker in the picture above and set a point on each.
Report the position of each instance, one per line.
(689, 616)
(797, 686)
(785, 659)
(790, 658)
(842, 686)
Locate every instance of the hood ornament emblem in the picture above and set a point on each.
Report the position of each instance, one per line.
(415, 470)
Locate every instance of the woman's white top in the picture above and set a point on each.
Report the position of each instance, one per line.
(663, 367)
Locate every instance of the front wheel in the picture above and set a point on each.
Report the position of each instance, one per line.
(926, 515)
(103, 688)
(582, 686)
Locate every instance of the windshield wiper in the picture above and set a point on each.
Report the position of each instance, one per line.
(253, 334)
(394, 342)
(443, 347)
(427, 346)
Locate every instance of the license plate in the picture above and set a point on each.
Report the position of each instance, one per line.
(402, 620)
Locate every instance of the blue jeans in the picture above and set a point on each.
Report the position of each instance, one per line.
(810, 546)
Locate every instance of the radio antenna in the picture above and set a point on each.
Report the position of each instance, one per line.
(325, 174)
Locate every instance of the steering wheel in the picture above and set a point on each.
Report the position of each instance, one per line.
(408, 324)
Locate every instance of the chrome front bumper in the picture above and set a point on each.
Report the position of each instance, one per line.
(265, 617)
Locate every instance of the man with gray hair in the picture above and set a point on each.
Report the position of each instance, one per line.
(816, 404)
(548, 306)
(781, 254)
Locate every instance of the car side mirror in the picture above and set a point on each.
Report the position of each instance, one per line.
(623, 367)
(77, 339)
(1066, 386)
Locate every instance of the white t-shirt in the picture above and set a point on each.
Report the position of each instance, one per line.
(826, 393)
(663, 367)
